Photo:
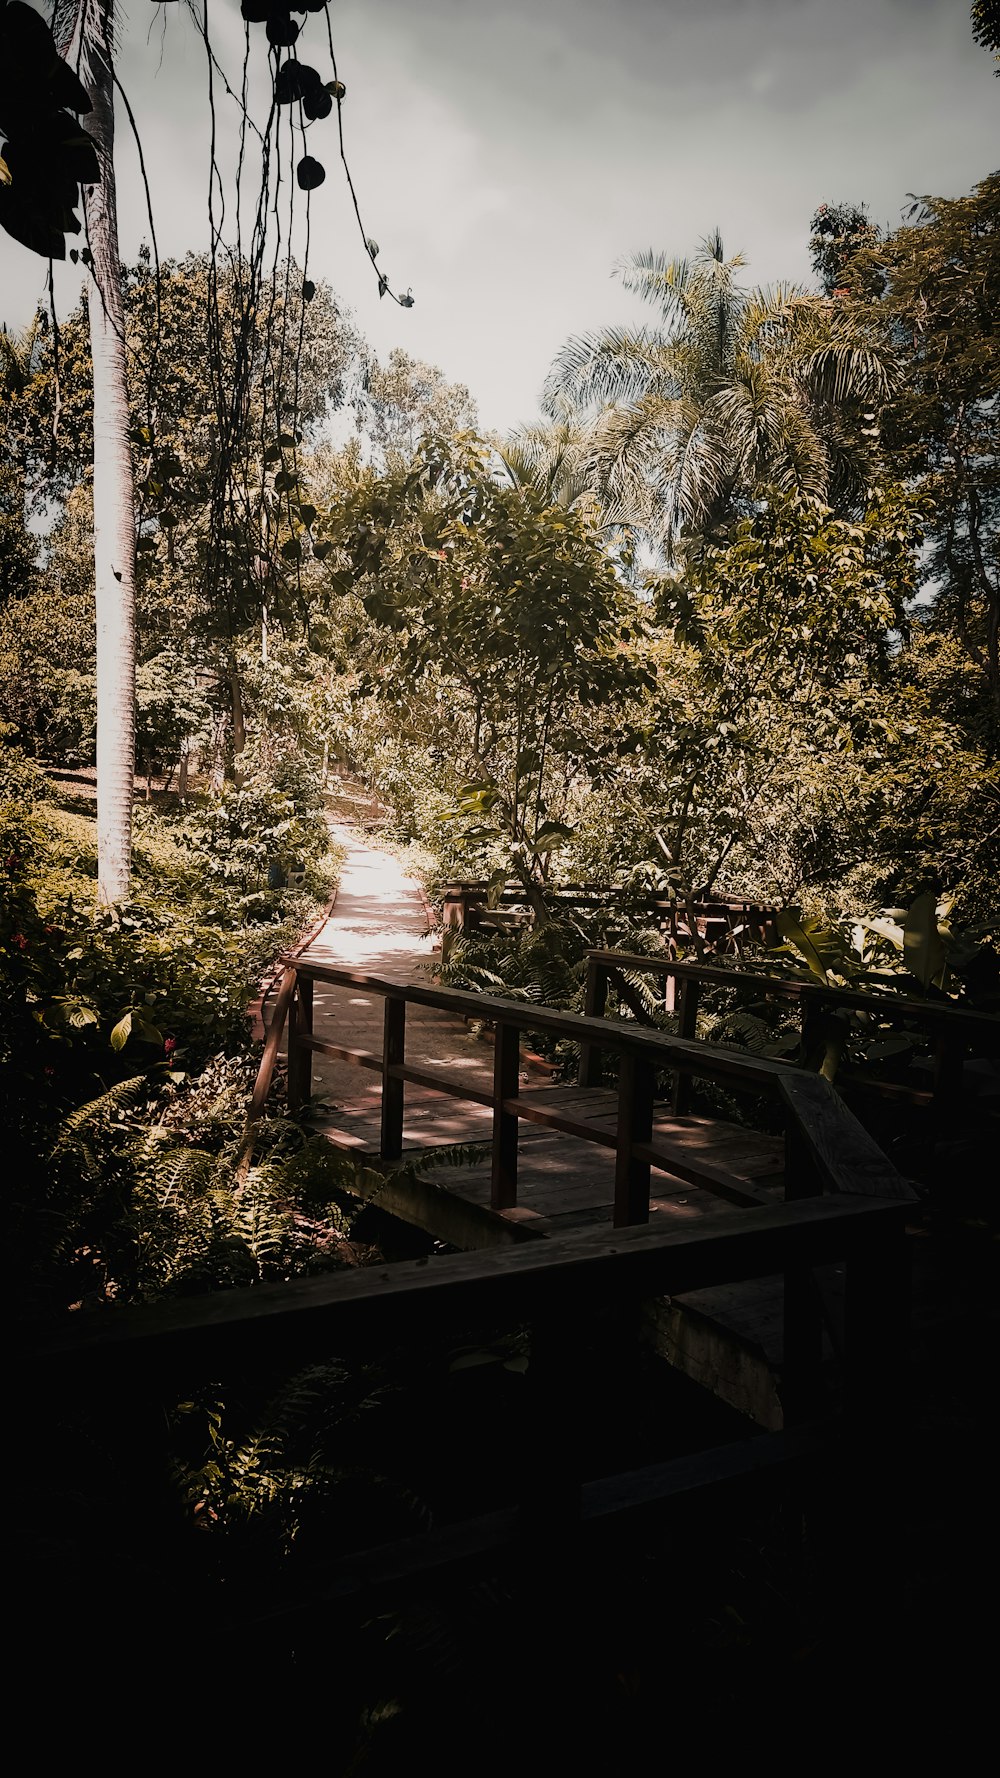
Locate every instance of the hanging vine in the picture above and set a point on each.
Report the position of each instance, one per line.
(260, 528)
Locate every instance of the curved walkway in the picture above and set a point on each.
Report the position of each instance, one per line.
(380, 926)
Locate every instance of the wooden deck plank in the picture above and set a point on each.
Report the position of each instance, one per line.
(559, 1172)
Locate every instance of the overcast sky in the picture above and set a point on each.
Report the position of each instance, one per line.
(507, 152)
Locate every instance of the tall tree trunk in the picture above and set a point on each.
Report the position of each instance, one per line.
(84, 34)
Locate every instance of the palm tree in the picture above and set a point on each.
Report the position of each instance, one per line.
(731, 391)
(16, 353)
(552, 460)
(84, 35)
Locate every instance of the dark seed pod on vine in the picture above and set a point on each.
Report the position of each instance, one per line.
(309, 173)
(308, 290)
(282, 30)
(317, 104)
(257, 11)
(295, 80)
(337, 88)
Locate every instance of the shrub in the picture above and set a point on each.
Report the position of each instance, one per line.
(273, 819)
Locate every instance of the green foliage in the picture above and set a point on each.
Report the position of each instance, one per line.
(171, 708)
(941, 281)
(510, 623)
(986, 26)
(774, 659)
(23, 784)
(404, 400)
(294, 1479)
(271, 821)
(546, 965)
(140, 1197)
(18, 549)
(912, 950)
(47, 692)
(838, 232)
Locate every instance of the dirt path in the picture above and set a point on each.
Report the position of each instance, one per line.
(379, 925)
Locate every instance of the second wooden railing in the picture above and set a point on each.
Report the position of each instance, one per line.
(826, 1147)
(949, 1031)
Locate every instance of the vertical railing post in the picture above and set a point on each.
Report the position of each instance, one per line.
(594, 1006)
(300, 1025)
(811, 1027)
(292, 1085)
(472, 909)
(393, 1055)
(299, 1057)
(506, 1068)
(452, 915)
(803, 1303)
(876, 1327)
(949, 1065)
(687, 1027)
(272, 1040)
(636, 1082)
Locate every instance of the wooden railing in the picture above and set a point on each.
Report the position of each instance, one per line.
(642, 1056)
(718, 923)
(950, 1031)
(844, 1203)
(128, 1361)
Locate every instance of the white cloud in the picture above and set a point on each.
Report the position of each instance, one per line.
(506, 155)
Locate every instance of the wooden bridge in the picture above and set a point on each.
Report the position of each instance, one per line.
(687, 1226)
(709, 923)
(603, 1217)
(558, 1290)
(949, 1034)
(562, 1160)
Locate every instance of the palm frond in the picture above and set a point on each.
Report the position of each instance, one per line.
(842, 372)
(620, 364)
(767, 316)
(674, 285)
(712, 253)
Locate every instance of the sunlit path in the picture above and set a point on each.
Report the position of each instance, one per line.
(380, 925)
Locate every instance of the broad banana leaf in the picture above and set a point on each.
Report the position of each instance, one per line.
(793, 934)
(923, 948)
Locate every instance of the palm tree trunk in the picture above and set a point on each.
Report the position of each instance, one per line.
(87, 45)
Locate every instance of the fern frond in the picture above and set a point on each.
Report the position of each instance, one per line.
(456, 1154)
(121, 1097)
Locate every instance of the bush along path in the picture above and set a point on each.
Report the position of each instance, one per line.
(126, 1058)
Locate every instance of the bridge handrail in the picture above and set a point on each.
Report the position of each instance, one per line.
(950, 1028)
(897, 1007)
(816, 1124)
(494, 1285)
(552, 1285)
